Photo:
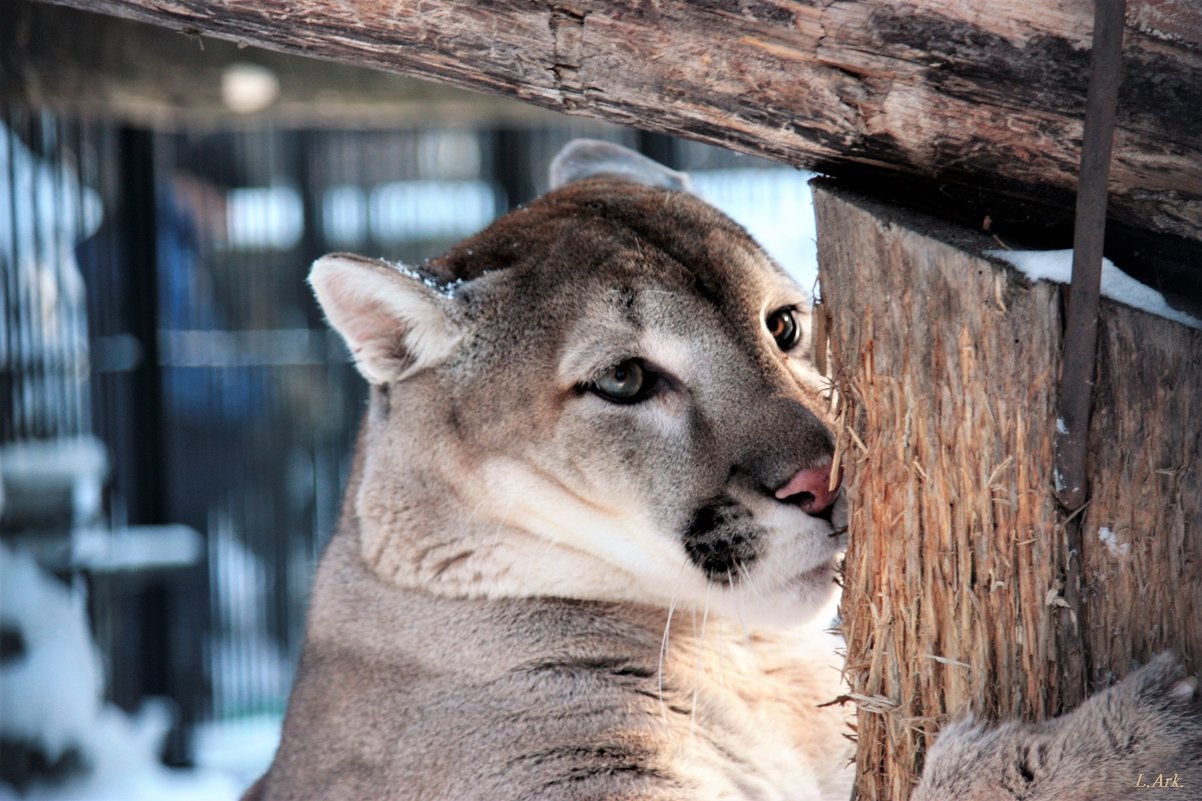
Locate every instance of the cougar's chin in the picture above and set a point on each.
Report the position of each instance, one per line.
(787, 603)
(796, 579)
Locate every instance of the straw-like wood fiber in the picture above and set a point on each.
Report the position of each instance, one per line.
(963, 588)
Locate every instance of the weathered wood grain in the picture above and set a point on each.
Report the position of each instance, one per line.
(1141, 534)
(982, 92)
(965, 586)
(98, 65)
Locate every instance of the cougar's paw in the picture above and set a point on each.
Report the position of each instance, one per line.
(1131, 741)
(1152, 723)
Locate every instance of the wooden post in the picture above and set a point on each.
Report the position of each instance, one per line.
(961, 592)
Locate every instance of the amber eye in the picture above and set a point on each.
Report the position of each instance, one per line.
(625, 382)
(782, 324)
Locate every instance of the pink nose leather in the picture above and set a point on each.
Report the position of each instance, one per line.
(816, 481)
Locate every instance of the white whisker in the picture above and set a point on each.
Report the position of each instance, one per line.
(663, 654)
(698, 668)
(737, 595)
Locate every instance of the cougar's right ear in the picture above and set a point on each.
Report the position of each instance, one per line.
(395, 321)
(584, 158)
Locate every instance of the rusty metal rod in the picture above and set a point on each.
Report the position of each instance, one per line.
(1081, 330)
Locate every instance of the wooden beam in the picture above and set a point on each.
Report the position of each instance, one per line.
(965, 586)
(96, 65)
(979, 92)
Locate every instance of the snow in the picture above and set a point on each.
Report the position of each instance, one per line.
(46, 209)
(447, 289)
(1111, 541)
(1057, 266)
(53, 693)
(241, 748)
(123, 765)
(53, 697)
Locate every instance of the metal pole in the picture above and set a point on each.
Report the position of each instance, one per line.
(1081, 330)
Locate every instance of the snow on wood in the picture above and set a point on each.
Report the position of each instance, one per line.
(1057, 266)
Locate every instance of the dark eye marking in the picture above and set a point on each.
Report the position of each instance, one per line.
(784, 328)
(628, 381)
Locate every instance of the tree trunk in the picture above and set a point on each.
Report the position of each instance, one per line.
(973, 93)
(966, 588)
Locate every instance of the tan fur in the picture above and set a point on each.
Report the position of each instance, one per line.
(1114, 747)
(538, 593)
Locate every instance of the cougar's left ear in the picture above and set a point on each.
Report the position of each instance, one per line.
(395, 322)
(584, 158)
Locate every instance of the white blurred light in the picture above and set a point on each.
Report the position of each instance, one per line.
(264, 217)
(247, 88)
(404, 210)
(449, 154)
(344, 214)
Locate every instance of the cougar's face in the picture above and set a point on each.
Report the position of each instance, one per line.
(635, 385)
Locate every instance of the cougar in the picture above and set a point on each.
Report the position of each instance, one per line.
(588, 546)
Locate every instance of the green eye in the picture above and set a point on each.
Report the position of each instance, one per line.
(782, 324)
(625, 382)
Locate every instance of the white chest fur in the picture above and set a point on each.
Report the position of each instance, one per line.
(757, 727)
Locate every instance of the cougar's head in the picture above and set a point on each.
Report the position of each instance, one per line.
(603, 395)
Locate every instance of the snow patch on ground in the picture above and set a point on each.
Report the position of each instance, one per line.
(53, 697)
(52, 692)
(242, 748)
(1057, 266)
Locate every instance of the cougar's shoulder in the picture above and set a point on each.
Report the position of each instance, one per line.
(404, 694)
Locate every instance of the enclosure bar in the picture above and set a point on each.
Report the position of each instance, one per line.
(139, 238)
(1081, 330)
